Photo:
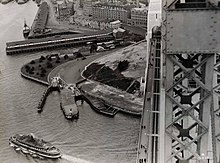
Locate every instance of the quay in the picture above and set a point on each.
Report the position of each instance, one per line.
(39, 24)
(99, 105)
(55, 42)
(39, 29)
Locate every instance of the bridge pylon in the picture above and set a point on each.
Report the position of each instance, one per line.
(180, 122)
(188, 104)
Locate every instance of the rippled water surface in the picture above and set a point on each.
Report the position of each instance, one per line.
(93, 138)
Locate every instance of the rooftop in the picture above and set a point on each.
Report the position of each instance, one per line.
(40, 19)
(140, 9)
(58, 37)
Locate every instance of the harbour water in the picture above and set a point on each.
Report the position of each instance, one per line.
(93, 138)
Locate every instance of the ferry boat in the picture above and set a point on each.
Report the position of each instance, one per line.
(26, 30)
(29, 144)
(68, 104)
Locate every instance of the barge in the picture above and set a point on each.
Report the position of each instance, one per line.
(29, 144)
(68, 104)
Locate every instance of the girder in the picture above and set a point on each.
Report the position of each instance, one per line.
(181, 115)
(190, 119)
(191, 114)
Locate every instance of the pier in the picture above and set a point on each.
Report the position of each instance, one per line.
(52, 87)
(59, 41)
(43, 99)
(99, 105)
(39, 25)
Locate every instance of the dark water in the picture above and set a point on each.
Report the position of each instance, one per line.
(93, 138)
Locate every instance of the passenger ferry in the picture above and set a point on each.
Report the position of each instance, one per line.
(29, 144)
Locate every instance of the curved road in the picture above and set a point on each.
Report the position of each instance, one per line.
(71, 71)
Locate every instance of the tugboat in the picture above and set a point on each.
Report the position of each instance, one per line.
(29, 144)
(26, 30)
(68, 105)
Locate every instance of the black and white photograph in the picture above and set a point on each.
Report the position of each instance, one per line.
(109, 81)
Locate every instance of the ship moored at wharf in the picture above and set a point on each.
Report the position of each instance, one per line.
(55, 42)
(29, 144)
(68, 104)
(26, 30)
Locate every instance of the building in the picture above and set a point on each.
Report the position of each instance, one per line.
(87, 7)
(111, 12)
(115, 24)
(96, 23)
(139, 17)
(86, 22)
(119, 33)
(65, 10)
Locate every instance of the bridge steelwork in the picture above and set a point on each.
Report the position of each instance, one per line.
(180, 121)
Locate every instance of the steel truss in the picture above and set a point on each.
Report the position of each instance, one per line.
(189, 111)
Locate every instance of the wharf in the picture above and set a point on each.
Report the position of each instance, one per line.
(100, 106)
(44, 97)
(40, 21)
(59, 41)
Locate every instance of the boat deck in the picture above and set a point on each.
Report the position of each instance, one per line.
(68, 105)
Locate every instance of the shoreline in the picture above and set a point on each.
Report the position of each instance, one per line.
(64, 65)
(34, 79)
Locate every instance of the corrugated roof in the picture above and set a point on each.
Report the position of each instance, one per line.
(40, 20)
(58, 37)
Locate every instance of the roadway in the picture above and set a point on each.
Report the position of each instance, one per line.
(71, 71)
(144, 147)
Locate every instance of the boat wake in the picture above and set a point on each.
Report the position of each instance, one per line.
(74, 159)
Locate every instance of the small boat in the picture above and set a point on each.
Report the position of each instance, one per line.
(26, 30)
(68, 105)
(29, 144)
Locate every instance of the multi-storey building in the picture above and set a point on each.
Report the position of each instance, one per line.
(65, 10)
(111, 12)
(139, 17)
(87, 7)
